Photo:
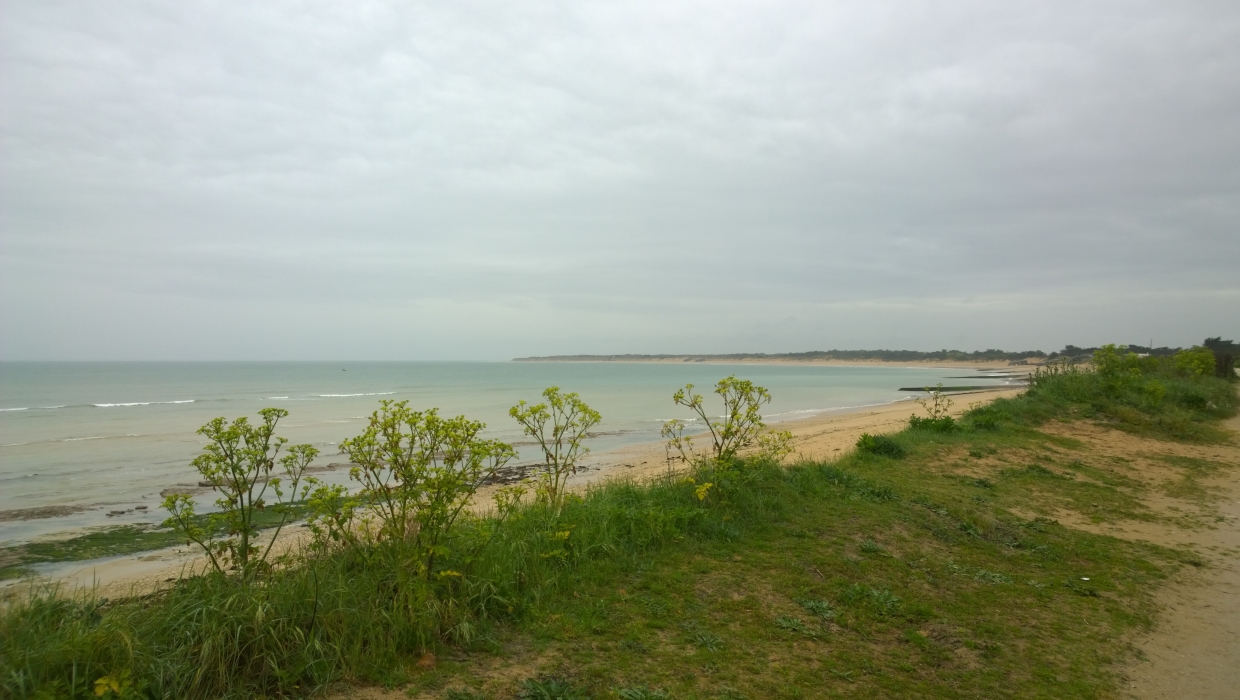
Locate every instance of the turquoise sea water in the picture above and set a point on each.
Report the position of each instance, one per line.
(108, 436)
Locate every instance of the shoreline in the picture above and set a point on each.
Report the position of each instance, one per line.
(822, 436)
(697, 359)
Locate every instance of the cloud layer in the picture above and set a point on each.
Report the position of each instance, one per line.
(479, 180)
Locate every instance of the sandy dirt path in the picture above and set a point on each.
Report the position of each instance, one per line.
(1195, 651)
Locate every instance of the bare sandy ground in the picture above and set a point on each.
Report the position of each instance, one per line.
(1195, 650)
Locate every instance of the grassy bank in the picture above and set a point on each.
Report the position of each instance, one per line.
(869, 575)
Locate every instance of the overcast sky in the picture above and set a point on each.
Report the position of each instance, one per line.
(484, 180)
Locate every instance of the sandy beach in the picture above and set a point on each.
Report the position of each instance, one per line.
(822, 436)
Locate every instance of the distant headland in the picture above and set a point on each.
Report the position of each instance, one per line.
(816, 356)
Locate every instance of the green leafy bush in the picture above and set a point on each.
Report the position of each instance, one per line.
(1195, 362)
(946, 424)
(880, 445)
(1140, 394)
(558, 426)
(238, 462)
(740, 428)
(418, 473)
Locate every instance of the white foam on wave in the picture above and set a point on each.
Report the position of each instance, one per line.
(812, 411)
(98, 437)
(141, 403)
(342, 396)
(14, 409)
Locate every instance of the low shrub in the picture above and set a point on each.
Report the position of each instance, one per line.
(943, 424)
(880, 445)
(938, 413)
(1140, 394)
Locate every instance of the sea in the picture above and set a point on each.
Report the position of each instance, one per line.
(96, 443)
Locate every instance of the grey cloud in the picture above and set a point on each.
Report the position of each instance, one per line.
(456, 178)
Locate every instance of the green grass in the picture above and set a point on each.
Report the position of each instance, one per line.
(866, 576)
(1185, 409)
(925, 594)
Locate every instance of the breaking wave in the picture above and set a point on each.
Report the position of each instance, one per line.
(140, 403)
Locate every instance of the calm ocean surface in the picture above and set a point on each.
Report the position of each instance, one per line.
(113, 435)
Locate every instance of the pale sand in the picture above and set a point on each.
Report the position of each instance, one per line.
(824, 436)
(1194, 652)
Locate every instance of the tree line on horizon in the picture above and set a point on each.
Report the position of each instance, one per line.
(1222, 349)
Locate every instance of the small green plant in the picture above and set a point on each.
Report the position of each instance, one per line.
(938, 412)
(793, 624)
(634, 645)
(881, 600)
(559, 426)
(774, 446)
(1036, 469)
(977, 574)
(463, 694)
(119, 686)
(821, 608)
(880, 445)
(238, 462)
(872, 547)
(707, 641)
(740, 428)
(551, 688)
